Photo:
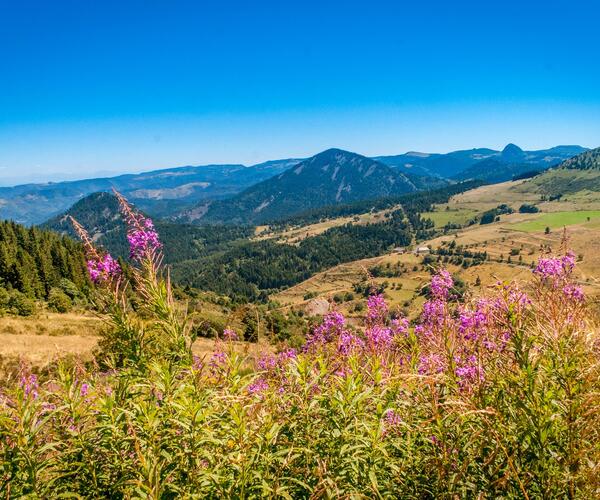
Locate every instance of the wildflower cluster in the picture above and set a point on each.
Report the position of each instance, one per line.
(475, 398)
(102, 268)
(141, 234)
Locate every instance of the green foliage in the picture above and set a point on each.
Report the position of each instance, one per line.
(590, 160)
(492, 215)
(497, 398)
(528, 209)
(33, 261)
(59, 301)
(15, 302)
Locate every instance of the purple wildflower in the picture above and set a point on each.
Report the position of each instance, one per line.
(258, 386)
(377, 309)
(229, 334)
(30, 386)
(331, 328)
(553, 269)
(103, 269)
(399, 327)
(142, 241)
(379, 337)
(430, 364)
(573, 292)
(392, 419)
(441, 283)
(348, 343)
(468, 372)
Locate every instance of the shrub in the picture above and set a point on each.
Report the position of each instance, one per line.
(59, 301)
(528, 209)
(20, 304)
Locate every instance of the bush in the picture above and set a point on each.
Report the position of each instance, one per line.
(20, 304)
(528, 209)
(59, 301)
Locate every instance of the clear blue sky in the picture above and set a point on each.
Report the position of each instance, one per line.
(103, 86)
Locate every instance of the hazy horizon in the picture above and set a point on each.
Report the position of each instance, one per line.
(104, 89)
(36, 178)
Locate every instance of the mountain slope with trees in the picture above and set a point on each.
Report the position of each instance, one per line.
(331, 177)
(36, 264)
(99, 214)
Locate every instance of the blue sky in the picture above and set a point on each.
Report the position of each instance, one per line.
(99, 87)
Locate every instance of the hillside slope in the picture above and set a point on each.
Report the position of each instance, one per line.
(99, 214)
(328, 178)
(160, 192)
(580, 174)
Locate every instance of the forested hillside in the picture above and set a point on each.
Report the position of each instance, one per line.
(99, 214)
(38, 264)
(584, 161)
(223, 259)
(331, 177)
(580, 174)
(252, 270)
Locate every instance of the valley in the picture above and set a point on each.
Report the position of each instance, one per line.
(478, 255)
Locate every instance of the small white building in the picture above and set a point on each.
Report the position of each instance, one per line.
(424, 250)
(399, 250)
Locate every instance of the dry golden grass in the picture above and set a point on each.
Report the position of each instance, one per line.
(52, 325)
(39, 350)
(40, 340)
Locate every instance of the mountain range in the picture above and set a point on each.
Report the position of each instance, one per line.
(196, 191)
(160, 192)
(473, 161)
(328, 178)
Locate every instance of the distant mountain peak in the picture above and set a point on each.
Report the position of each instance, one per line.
(327, 178)
(512, 153)
(512, 148)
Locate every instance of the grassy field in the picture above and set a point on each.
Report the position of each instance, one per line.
(20, 339)
(557, 220)
(443, 216)
(51, 324)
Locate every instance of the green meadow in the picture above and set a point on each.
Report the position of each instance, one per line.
(556, 220)
(455, 216)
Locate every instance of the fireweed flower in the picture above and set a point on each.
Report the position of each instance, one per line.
(379, 337)
(391, 421)
(141, 235)
(430, 364)
(330, 329)
(399, 327)
(554, 269)
(473, 323)
(433, 317)
(441, 283)
(230, 335)
(468, 371)
(258, 386)
(377, 309)
(103, 269)
(143, 240)
(573, 292)
(30, 386)
(349, 343)
(267, 362)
